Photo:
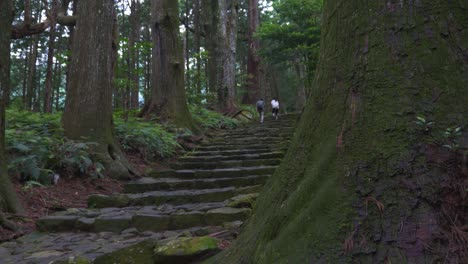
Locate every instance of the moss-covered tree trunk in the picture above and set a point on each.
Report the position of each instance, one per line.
(227, 34)
(210, 20)
(88, 106)
(168, 99)
(134, 52)
(8, 199)
(253, 92)
(361, 182)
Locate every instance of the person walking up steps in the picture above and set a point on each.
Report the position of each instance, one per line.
(275, 107)
(260, 109)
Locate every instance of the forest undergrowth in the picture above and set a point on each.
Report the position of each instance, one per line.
(43, 164)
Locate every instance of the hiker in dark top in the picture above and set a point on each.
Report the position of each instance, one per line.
(260, 109)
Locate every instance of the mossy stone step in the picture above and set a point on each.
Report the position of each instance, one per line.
(215, 173)
(256, 131)
(240, 146)
(143, 220)
(225, 164)
(267, 155)
(250, 140)
(164, 197)
(233, 152)
(184, 220)
(151, 184)
(245, 144)
(280, 135)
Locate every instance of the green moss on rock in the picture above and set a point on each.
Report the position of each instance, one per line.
(186, 250)
(243, 201)
(141, 253)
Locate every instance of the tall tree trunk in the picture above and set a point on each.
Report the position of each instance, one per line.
(230, 73)
(223, 50)
(147, 74)
(25, 80)
(210, 9)
(168, 99)
(70, 45)
(58, 84)
(361, 182)
(301, 89)
(88, 108)
(8, 199)
(134, 60)
(32, 72)
(187, 46)
(253, 62)
(197, 45)
(50, 55)
(227, 38)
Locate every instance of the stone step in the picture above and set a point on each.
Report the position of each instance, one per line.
(280, 135)
(225, 164)
(233, 152)
(240, 146)
(242, 143)
(254, 156)
(167, 197)
(147, 218)
(274, 128)
(246, 140)
(169, 184)
(215, 173)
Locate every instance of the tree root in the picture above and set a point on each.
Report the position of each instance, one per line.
(4, 222)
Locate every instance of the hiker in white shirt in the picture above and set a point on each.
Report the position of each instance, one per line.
(275, 107)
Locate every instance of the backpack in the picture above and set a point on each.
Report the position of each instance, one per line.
(260, 104)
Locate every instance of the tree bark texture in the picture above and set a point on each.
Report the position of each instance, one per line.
(301, 89)
(8, 199)
(134, 59)
(32, 73)
(88, 107)
(361, 183)
(197, 46)
(50, 55)
(227, 39)
(253, 61)
(210, 20)
(168, 98)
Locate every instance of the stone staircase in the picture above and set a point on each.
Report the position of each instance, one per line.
(202, 192)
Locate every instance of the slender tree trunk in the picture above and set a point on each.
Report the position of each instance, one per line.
(210, 9)
(223, 50)
(227, 39)
(187, 46)
(133, 42)
(70, 45)
(58, 84)
(361, 181)
(301, 90)
(197, 45)
(8, 199)
(50, 55)
(25, 80)
(88, 108)
(230, 73)
(168, 99)
(32, 73)
(253, 62)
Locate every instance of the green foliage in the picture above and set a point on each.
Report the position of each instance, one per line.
(211, 119)
(447, 137)
(36, 148)
(149, 140)
(292, 31)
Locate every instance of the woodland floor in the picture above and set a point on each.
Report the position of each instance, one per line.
(68, 193)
